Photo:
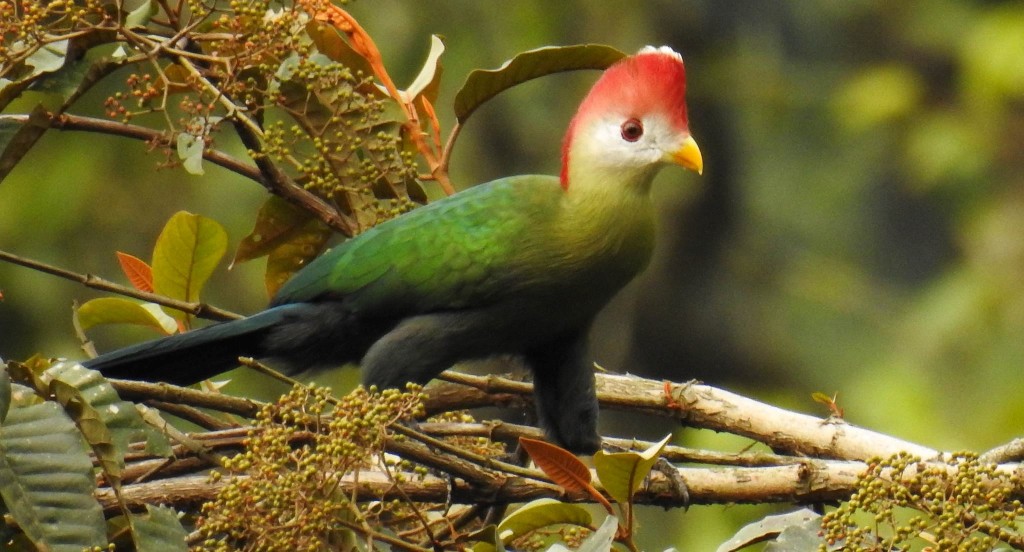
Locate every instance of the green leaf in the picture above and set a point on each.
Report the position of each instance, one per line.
(190, 151)
(292, 237)
(92, 429)
(49, 57)
(120, 417)
(799, 538)
(140, 16)
(158, 529)
(186, 253)
(428, 81)
(539, 514)
(622, 473)
(482, 85)
(57, 512)
(117, 310)
(601, 540)
(769, 528)
(485, 539)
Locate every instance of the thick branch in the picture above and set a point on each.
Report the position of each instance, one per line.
(807, 482)
(707, 407)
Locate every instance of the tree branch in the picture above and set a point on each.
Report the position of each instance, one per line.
(809, 481)
(67, 121)
(201, 310)
(707, 407)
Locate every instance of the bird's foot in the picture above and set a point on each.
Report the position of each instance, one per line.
(677, 485)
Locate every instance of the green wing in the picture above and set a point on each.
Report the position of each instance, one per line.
(468, 249)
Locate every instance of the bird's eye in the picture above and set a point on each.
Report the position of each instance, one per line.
(632, 130)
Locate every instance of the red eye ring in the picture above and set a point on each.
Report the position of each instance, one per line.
(632, 130)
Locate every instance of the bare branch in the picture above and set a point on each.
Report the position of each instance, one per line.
(201, 310)
(707, 407)
(102, 126)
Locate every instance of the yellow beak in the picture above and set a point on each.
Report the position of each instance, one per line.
(688, 155)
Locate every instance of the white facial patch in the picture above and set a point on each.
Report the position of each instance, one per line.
(666, 50)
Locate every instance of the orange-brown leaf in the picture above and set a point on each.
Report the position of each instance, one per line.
(559, 464)
(139, 273)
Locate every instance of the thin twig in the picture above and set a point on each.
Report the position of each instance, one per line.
(140, 391)
(201, 310)
(446, 153)
(102, 126)
(479, 459)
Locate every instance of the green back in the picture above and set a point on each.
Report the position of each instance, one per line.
(463, 250)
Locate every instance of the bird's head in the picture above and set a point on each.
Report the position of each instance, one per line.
(632, 122)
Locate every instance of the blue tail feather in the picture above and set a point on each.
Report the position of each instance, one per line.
(193, 356)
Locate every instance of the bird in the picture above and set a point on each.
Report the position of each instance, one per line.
(518, 266)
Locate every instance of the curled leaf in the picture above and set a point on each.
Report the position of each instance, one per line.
(621, 473)
(429, 79)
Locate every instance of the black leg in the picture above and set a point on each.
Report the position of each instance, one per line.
(564, 389)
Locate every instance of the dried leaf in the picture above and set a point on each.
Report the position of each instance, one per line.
(289, 236)
(559, 464)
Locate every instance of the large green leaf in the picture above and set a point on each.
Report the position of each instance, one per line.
(46, 478)
(92, 428)
(159, 530)
(482, 85)
(118, 310)
(120, 417)
(541, 513)
(802, 520)
(601, 540)
(186, 253)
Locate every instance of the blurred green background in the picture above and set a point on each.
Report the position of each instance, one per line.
(859, 228)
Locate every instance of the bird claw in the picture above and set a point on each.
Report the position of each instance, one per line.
(677, 484)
